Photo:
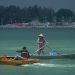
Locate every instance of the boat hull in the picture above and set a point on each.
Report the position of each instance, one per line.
(61, 56)
(43, 57)
(18, 62)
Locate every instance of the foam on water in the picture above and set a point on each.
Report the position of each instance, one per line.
(49, 65)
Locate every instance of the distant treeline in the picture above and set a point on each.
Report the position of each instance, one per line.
(13, 14)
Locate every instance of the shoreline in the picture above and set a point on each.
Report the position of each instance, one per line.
(37, 27)
(27, 25)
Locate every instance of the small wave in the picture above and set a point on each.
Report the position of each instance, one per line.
(54, 65)
(48, 65)
(26, 65)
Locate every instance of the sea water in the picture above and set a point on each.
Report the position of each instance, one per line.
(59, 39)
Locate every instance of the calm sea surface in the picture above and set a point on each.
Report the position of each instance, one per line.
(62, 40)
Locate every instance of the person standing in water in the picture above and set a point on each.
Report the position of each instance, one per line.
(41, 44)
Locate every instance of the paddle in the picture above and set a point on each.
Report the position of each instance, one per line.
(47, 44)
(40, 48)
(48, 47)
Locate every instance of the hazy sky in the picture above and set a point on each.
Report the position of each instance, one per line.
(56, 4)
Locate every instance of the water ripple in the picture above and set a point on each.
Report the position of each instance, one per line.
(48, 65)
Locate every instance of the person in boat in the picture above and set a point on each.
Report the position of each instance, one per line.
(41, 44)
(24, 53)
(18, 57)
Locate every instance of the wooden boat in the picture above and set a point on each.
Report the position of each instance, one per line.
(10, 61)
